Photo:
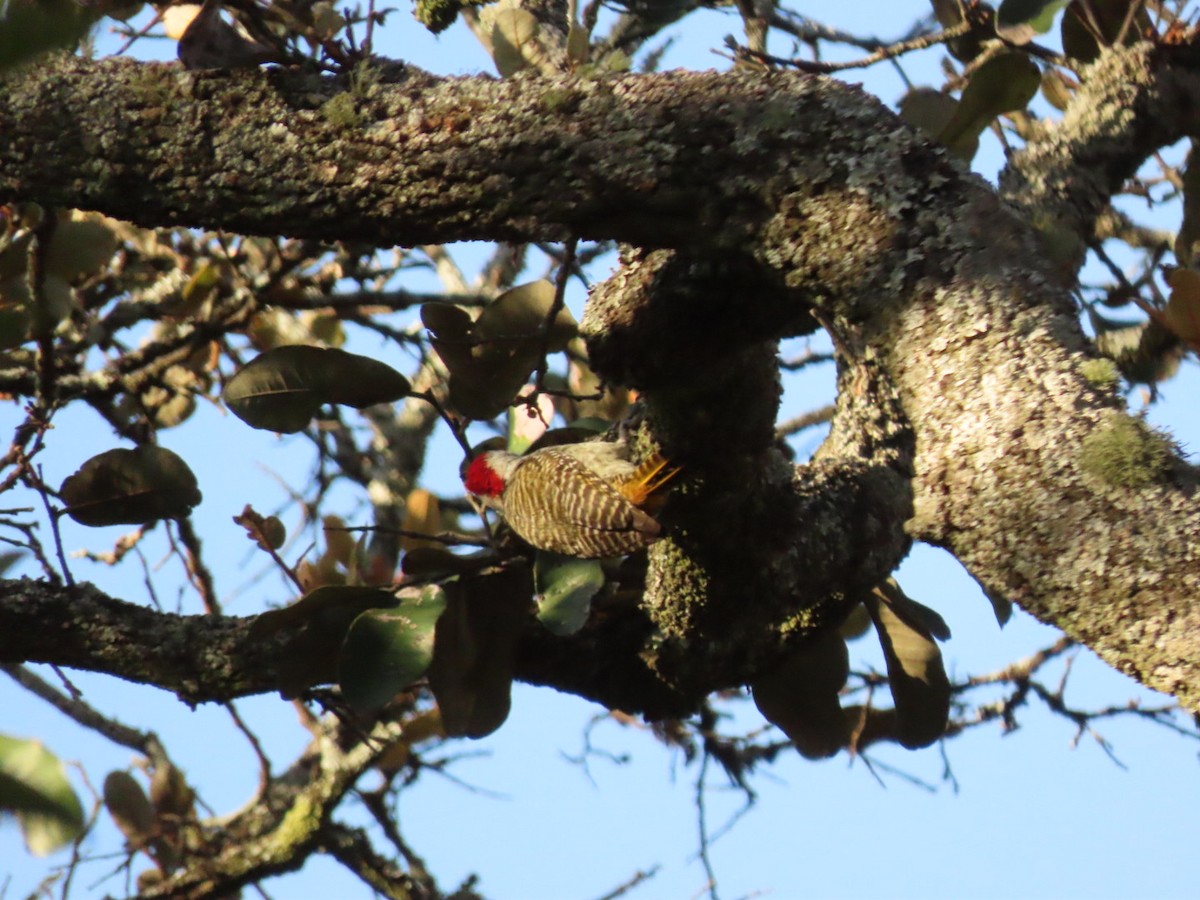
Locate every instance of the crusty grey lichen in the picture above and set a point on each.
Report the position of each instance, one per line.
(833, 206)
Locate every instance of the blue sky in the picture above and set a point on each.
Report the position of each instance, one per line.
(1032, 817)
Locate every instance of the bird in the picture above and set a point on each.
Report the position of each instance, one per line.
(586, 500)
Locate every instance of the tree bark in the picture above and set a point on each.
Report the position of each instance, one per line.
(966, 415)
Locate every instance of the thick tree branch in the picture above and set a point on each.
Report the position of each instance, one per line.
(407, 158)
(1131, 103)
(937, 295)
(206, 658)
(279, 834)
(199, 658)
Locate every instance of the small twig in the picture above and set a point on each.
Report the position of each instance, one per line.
(874, 763)
(135, 35)
(264, 764)
(124, 544)
(451, 421)
(17, 456)
(947, 769)
(375, 804)
(369, 302)
(31, 544)
(52, 515)
(1130, 17)
(807, 420)
(568, 395)
(449, 538)
(438, 766)
(805, 359)
(369, 38)
(817, 67)
(560, 301)
(589, 750)
(351, 847)
(1022, 669)
(35, 278)
(1155, 313)
(702, 824)
(626, 886)
(84, 714)
(198, 573)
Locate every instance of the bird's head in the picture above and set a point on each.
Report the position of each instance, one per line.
(488, 474)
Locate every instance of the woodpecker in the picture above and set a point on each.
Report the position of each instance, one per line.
(585, 500)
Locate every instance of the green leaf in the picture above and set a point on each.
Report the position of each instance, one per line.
(82, 244)
(16, 318)
(322, 617)
(450, 322)
(513, 34)
(321, 607)
(578, 44)
(34, 786)
(475, 645)
(927, 619)
(170, 794)
(130, 487)
(856, 624)
(30, 29)
(927, 109)
(1182, 312)
(1145, 351)
(920, 688)
(565, 587)
(1006, 82)
(282, 389)
(1002, 607)
(949, 13)
(1188, 239)
(386, 650)
(484, 377)
(801, 696)
(436, 562)
(129, 807)
(523, 312)
(1058, 89)
(1020, 21)
(931, 111)
(491, 358)
(1079, 38)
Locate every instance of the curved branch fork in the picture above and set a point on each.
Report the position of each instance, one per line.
(759, 552)
(819, 204)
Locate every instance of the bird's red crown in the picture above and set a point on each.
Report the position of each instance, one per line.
(481, 479)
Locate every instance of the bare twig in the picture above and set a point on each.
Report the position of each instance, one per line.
(817, 67)
(84, 714)
(807, 420)
(633, 881)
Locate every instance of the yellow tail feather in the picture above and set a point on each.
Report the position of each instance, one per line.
(648, 479)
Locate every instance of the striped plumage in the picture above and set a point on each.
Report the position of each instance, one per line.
(580, 500)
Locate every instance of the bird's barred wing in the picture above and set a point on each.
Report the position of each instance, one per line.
(571, 510)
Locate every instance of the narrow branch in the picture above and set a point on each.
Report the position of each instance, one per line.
(84, 714)
(890, 51)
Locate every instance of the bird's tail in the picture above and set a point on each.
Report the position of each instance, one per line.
(644, 488)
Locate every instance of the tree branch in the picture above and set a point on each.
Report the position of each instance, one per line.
(945, 311)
